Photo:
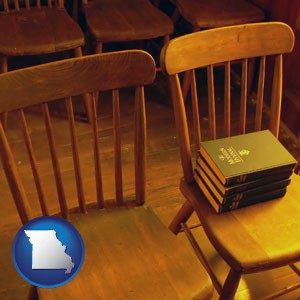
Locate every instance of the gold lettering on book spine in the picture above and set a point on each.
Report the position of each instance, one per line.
(234, 205)
(238, 197)
(242, 178)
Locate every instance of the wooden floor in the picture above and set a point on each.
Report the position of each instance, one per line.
(163, 174)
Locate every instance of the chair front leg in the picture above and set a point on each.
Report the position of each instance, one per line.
(181, 217)
(230, 286)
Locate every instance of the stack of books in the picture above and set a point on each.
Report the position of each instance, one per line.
(243, 170)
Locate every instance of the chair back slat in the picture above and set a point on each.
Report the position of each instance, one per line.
(276, 96)
(62, 148)
(14, 179)
(75, 154)
(196, 112)
(243, 108)
(96, 148)
(260, 93)
(33, 164)
(55, 162)
(182, 132)
(117, 147)
(140, 145)
(227, 108)
(224, 48)
(211, 103)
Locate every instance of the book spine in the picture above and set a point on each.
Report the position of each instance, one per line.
(246, 195)
(205, 172)
(257, 183)
(255, 175)
(229, 206)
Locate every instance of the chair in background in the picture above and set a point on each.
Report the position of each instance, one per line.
(203, 14)
(35, 30)
(259, 237)
(125, 20)
(128, 251)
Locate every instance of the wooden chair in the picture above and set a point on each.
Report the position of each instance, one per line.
(215, 13)
(128, 251)
(123, 21)
(259, 237)
(37, 29)
(203, 14)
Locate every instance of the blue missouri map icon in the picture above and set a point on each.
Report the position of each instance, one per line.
(48, 252)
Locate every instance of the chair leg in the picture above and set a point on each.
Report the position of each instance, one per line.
(175, 16)
(75, 8)
(181, 217)
(99, 47)
(230, 286)
(32, 294)
(4, 69)
(86, 97)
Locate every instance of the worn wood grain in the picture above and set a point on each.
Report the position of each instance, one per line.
(88, 73)
(118, 21)
(212, 14)
(53, 30)
(126, 258)
(227, 44)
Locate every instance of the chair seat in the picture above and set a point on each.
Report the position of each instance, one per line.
(130, 254)
(216, 13)
(119, 20)
(261, 236)
(38, 31)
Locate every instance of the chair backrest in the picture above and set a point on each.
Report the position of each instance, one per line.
(224, 46)
(39, 85)
(9, 5)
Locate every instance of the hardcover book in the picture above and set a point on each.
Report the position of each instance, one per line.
(205, 171)
(246, 157)
(245, 195)
(232, 205)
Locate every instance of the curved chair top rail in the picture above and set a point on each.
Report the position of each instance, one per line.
(207, 47)
(75, 76)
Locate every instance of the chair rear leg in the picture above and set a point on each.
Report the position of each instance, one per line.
(99, 49)
(86, 97)
(32, 294)
(230, 286)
